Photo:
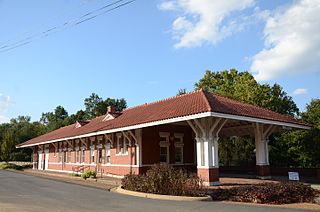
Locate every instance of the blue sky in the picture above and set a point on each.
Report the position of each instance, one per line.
(150, 49)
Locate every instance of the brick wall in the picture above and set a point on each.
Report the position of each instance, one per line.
(151, 147)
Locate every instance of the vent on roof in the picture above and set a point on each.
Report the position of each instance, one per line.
(81, 123)
(111, 113)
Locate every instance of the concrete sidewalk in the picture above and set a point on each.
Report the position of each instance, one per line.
(102, 183)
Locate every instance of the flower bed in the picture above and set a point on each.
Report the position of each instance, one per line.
(267, 193)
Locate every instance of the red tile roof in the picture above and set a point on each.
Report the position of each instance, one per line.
(179, 106)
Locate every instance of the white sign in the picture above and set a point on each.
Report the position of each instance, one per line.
(294, 176)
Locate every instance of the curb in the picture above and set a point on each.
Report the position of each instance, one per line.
(120, 190)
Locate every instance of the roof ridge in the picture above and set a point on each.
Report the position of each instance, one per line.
(163, 100)
(205, 96)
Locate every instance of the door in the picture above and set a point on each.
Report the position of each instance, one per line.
(46, 159)
(40, 160)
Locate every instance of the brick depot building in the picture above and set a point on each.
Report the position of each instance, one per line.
(182, 131)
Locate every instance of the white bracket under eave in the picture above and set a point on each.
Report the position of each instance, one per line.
(70, 143)
(83, 142)
(133, 136)
(125, 135)
(109, 137)
(55, 145)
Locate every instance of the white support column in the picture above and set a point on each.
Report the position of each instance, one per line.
(215, 152)
(207, 131)
(200, 156)
(262, 133)
(261, 144)
(138, 138)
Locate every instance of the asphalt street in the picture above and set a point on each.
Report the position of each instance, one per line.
(19, 192)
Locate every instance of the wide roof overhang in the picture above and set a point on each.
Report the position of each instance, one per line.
(176, 120)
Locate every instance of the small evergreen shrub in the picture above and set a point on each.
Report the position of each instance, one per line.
(10, 166)
(267, 193)
(163, 179)
(87, 174)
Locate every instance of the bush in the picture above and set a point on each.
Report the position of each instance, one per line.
(87, 174)
(163, 179)
(10, 166)
(272, 193)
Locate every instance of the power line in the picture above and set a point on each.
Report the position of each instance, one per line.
(71, 23)
(27, 33)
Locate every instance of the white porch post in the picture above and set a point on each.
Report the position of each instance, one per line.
(200, 156)
(262, 132)
(207, 130)
(138, 143)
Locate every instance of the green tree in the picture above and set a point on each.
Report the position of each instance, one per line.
(181, 91)
(243, 87)
(299, 148)
(92, 104)
(7, 145)
(96, 106)
(56, 119)
(312, 115)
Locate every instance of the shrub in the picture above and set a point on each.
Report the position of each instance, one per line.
(272, 193)
(87, 174)
(10, 166)
(93, 174)
(163, 179)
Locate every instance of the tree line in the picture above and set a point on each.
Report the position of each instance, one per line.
(297, 148)
(21, 129)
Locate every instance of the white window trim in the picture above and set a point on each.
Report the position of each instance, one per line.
(165, 144)
(82, 153)
(118, 150)
(179, 144)
(106, 153)
(92, 151)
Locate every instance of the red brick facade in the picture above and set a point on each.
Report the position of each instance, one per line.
(120, 164)
(209, 174)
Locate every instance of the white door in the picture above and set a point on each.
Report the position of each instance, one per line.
(46, 159)
(40, 160)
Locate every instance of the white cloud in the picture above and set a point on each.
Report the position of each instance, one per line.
(300, 91)
(204, 21)
(5, 102)
(292, 42)
(168, 5)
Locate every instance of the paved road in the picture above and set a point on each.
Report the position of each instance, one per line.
(19, 192)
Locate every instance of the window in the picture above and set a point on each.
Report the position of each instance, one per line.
(119, 144)
(60, 155)
(178, 157)
(178, 147)
(83, 155)
(126, 145)
(164, 147)
(164, 154)
(77, 154)
(69, 156)
(64, 156)
(92, 154)
(107, 154)
(100, 155)
(122, 145)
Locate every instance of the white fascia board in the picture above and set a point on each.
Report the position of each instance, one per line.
(177, 119)
(259, 120)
